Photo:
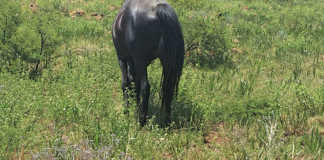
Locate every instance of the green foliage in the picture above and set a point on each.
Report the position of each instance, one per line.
(81, 28)
(28, 47)
(314, 143)
(207, 47)
(9, 23)
(8, 26)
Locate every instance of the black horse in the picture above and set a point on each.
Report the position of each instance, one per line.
(143, 31)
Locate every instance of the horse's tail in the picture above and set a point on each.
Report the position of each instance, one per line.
(172, 59)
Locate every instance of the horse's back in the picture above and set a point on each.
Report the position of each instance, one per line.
(142, 29)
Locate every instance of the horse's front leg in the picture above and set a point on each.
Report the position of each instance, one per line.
(142, 92)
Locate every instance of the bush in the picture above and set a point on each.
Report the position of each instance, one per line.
(29, 39)
(10, 19)
(207, 41)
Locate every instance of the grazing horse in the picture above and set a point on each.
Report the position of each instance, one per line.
(143, 31)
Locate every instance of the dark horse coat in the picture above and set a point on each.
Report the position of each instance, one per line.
(143, 31)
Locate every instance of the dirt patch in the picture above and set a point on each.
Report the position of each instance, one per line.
(33, 7)
(97, 16)
(112, 8)
(216, 135)
(237, 50)
(167, 155)
(78, 13)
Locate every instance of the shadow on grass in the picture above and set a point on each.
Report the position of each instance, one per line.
(185, 114)
(209, 61)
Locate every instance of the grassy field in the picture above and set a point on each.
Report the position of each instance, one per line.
(252, 87)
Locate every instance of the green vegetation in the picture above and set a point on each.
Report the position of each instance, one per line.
(252, 86)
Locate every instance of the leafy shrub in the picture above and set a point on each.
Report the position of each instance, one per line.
(8, 25)
(29, 39)
(206, 38)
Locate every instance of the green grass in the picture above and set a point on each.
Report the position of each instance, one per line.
(252, 88)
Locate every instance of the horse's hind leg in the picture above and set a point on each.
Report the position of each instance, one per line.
(126, 82)
(142, 92)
